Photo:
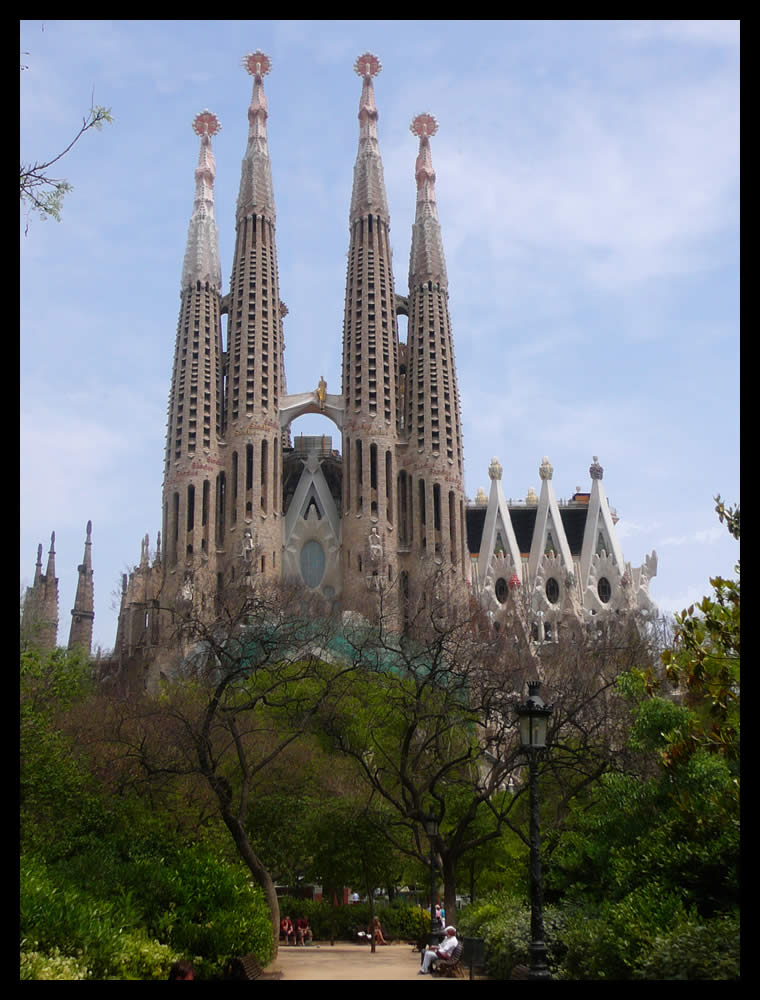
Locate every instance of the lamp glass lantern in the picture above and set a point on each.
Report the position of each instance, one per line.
(534, 719)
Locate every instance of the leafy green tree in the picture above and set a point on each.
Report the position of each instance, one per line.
(429, 718)
(704, 662)
(651, 862)
(350, 849)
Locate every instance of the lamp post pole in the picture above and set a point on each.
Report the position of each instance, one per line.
(534, 718)
(431, 829)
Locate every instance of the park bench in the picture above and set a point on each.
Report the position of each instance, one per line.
(248, 967)
(450, 967)
(520, 972)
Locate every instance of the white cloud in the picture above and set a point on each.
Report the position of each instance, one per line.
(708, 536)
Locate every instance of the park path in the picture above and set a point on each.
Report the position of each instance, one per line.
(343, 960)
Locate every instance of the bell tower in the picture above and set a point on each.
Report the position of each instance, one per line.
(370, 366)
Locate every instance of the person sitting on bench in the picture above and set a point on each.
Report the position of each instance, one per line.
(444, 950)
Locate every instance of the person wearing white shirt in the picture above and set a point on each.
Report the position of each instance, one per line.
(444, 950)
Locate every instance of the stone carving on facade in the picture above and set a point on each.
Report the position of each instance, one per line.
(375, 545)
(604, 590)
(375, 576)
(247, 546)
(187, 589)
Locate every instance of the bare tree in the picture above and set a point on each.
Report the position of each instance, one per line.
(251, 684)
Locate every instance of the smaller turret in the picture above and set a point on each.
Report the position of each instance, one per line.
(83, 612)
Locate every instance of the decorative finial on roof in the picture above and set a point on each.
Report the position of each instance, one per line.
(545, 470)
(257, 63)
(423, 125)
(495, 469)
(426, 261)
(206, 124)
(595, 470)
(367, 65)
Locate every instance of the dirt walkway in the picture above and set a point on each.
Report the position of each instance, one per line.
(349, 961)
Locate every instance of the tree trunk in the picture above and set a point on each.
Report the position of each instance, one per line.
(259, 872)
(449, 872)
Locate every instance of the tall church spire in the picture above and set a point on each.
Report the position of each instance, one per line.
(433, 422)
(83, 612)
(250, 491)
(370, 365)
(195, 396)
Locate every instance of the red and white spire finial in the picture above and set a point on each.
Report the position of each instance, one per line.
(202, 250)
(367, 66)
(206, 124)
(426, 262)
(424, 126)
(257, 64)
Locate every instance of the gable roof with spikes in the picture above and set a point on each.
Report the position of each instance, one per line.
(599, 521)
(548, 523)
(497, 521)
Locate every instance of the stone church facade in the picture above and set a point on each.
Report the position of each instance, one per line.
(243, 501)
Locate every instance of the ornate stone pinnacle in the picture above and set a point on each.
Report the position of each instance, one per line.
(367, 65)
(595, 470)
(495, 469)
(257, 63)
(423, 125)
(206, 123)
(545, 470)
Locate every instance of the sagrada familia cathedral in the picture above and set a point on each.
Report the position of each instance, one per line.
(242, 500)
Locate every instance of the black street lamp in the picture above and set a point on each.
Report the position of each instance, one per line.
(431, 829)
(534, 722)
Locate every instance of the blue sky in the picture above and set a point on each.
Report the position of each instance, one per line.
(588, 191)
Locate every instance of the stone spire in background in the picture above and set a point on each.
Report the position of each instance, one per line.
(39, 622)
(83, 612)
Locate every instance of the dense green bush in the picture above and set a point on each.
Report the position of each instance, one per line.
(69, 933)
(78, 922)
(502, 920)
(694, 950)
(608, 940)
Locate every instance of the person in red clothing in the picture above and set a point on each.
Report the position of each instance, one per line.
(286, 930)
(303, 931)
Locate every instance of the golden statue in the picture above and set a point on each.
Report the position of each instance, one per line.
(322, 392)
